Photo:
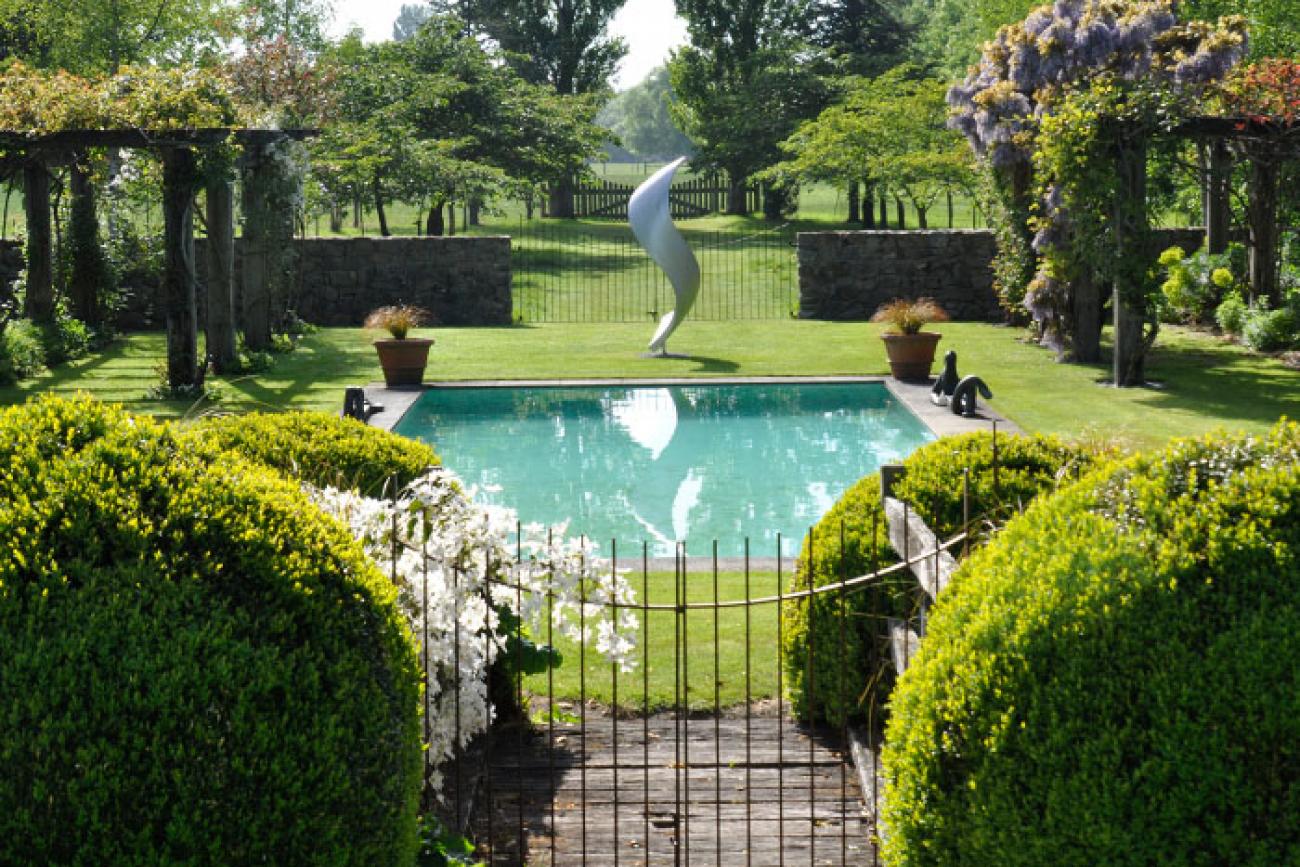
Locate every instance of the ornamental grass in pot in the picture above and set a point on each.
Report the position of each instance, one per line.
(910, 349)
(402, 357)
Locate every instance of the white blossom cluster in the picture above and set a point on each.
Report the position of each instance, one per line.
(458, 565)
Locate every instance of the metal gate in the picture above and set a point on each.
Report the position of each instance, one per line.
(712, 751)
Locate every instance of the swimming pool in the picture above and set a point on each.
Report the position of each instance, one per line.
(668, 463)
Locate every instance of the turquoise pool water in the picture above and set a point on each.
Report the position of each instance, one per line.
(664, 464)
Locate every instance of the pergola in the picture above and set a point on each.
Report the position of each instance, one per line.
(178, 150)
(1265, 143)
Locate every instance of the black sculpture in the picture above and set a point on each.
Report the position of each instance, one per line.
(356, 405)
(944, 386)
(963, 400)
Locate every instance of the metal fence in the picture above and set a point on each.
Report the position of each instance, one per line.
(584, 272)
(697, 757)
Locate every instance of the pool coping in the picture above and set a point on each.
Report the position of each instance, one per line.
(939, 420)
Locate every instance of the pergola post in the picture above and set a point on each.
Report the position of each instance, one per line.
(39, 303)
(180, 179)
(220, 323)
(255, 291)
(1217, 216)
(1262, 207)
(1130, 241)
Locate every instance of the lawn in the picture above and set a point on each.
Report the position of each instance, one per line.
(742, 668)
(1206, 383)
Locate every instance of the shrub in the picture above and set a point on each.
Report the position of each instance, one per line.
(198, 666)
(1270, 330)
(848, 650)
(1193, 283)
(1112, 680)
(65, 338)
(1231, 314)
(322, 449)
(22, 353)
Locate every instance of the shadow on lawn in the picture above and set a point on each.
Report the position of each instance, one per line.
(1223, 381)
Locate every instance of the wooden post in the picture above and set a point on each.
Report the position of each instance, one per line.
(1218, 214)
(89, 269)
(1085, 301)
(39, 303)
(1130, 239)
(220, 323)
(254, 282)
(1262, 207)
(180, 178)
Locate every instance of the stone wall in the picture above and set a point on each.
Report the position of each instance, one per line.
(847, 275)
(460, 280)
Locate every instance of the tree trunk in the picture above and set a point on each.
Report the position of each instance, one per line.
(377, 188)
(737, 195)
(1262, 205)
(902, 214)
(434, 225)
(561, 196)
(475, 206)
(528, 206)
(336, 218)
(868, 205)
(451, 218)
(921, 221)
(951, 216)
(89, 270)
(1086, 314)
(774, 202)
(884, 210)
(854, 208)
(1129, 302)
(180, 176)
(39, 303)
(220, 321)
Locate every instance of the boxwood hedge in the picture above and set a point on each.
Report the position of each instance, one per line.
(845, 649)
(321, 449)
(197, 666)
(1114, 678)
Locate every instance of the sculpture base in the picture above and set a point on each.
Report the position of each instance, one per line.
(663, 355)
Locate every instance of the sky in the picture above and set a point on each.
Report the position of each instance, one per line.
(651, 28)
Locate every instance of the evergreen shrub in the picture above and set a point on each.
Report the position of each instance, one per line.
(198, 666)
(849, 655)
(22, 351)
(322, 449)
(1113, 679)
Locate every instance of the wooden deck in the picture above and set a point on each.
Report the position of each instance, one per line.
(735, 792)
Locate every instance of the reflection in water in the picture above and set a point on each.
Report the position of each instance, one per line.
(660, 464)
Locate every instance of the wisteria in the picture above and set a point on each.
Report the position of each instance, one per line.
(1027, 67)
(450, 558)
(1030, 69)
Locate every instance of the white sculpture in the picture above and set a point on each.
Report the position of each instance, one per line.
(647, 212)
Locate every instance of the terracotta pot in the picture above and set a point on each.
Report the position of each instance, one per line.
(911, 355)
(403, 361)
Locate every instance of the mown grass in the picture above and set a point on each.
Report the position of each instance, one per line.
(742, 668)
(1205, 382)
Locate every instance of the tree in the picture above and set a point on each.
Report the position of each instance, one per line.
(867, 37)
(562, 43)
(887, 130)
(88, 36)
(439, 118)
(409, 20)
(743, 84)
(641, 117)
